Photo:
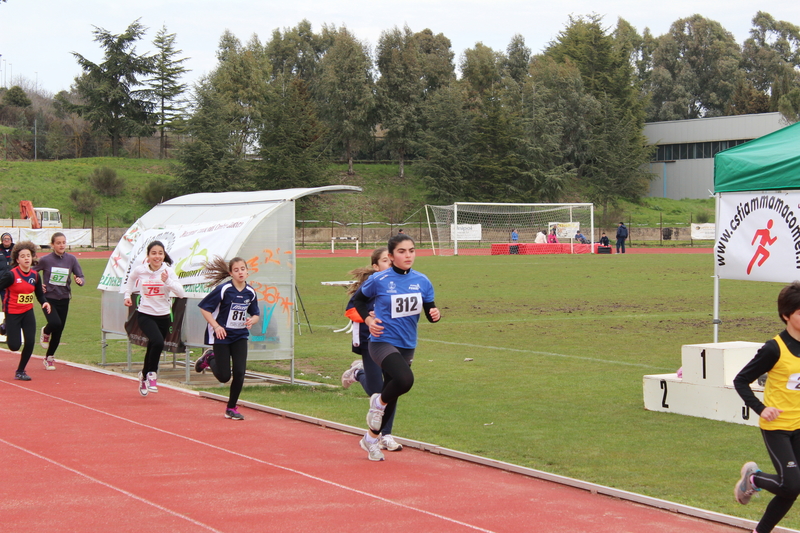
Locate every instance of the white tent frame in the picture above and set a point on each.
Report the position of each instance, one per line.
(211, 207)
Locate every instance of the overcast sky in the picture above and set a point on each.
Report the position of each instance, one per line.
(38, 36)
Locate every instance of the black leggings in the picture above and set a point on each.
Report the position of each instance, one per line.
(221, 366)
(155, 328)
(784, 450)
(397, 380)
(19, 327)
(55, 323)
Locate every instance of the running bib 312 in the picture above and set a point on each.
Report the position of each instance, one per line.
(59, 276)
(406, 304)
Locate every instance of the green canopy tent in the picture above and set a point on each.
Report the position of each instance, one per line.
(768, 163)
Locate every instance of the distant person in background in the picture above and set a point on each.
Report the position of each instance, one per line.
(622, 234)
(580, 238)
(6, 245)
(401, 232)
(552, 238)
(604, 240)
(514, 236)
(541, 237)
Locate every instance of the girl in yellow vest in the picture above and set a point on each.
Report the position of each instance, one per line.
(779, 414)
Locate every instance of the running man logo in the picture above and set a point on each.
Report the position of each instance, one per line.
(762, 251)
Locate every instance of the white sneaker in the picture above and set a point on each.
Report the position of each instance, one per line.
(374, 449)
(49, 362)
(743, 489)
(142, 385)
(152, 382)
(387, 442)
(44, 339)
(375, 414)
(349, 375)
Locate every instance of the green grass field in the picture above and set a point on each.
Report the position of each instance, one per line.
(559, 345)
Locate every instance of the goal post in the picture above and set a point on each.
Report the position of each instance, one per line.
(473, 228)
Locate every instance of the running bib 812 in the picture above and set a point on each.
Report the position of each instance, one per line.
(406, 304)
(59, 276)
(237, 317)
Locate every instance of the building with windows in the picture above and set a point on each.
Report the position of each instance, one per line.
(683, 163)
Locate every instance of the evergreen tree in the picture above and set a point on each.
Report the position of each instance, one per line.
(165, 85)
(400, 90)
(111, 100)
(346, 93)
(291, 141)
(771, 57)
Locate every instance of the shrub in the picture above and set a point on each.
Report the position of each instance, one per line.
(85, 202)
(701, 217)
(157, 191)
(105, 181)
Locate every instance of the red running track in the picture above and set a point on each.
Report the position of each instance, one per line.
(82, 451)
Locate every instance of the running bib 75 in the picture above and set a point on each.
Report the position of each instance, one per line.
(237, 317)
(152, 289)
(25, 298)
(59, 276)
(406, 304)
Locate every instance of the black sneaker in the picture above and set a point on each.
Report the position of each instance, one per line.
(22, 376)
(234, 414)
(202, 363)
(3, 329)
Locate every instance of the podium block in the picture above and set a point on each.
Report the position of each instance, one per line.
(706, 387)
(716, 363)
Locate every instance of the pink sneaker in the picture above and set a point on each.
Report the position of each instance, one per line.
(152, 382)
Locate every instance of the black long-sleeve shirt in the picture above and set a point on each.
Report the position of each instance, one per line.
(766, 357)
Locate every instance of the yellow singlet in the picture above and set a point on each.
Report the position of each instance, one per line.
(783, 391)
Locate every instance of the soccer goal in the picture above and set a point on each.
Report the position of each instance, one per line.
(469, 228)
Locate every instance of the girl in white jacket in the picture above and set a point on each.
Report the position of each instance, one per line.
(157, 282)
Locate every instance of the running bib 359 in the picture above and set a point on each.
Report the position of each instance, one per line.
(25, 298)
(59, 276)
(406, 304)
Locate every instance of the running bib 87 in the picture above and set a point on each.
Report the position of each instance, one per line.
(59, 276)
(25, 298)
(237, 317)
(406, 304)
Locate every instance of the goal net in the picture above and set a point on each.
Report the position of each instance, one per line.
(469, 228)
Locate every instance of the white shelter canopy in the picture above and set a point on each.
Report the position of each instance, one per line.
(258, 226)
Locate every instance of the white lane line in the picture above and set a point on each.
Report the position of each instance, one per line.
(534, 352)
(260, 461)
(112, 487)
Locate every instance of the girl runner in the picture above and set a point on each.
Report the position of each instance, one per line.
(779, 414)
(56, 268)
(400, 295)
(229, 303)
(365, 370)
(157, 283)
(21, 283)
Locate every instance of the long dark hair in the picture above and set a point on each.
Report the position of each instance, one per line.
(397, 239)
(167, 258)
(218, 270)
